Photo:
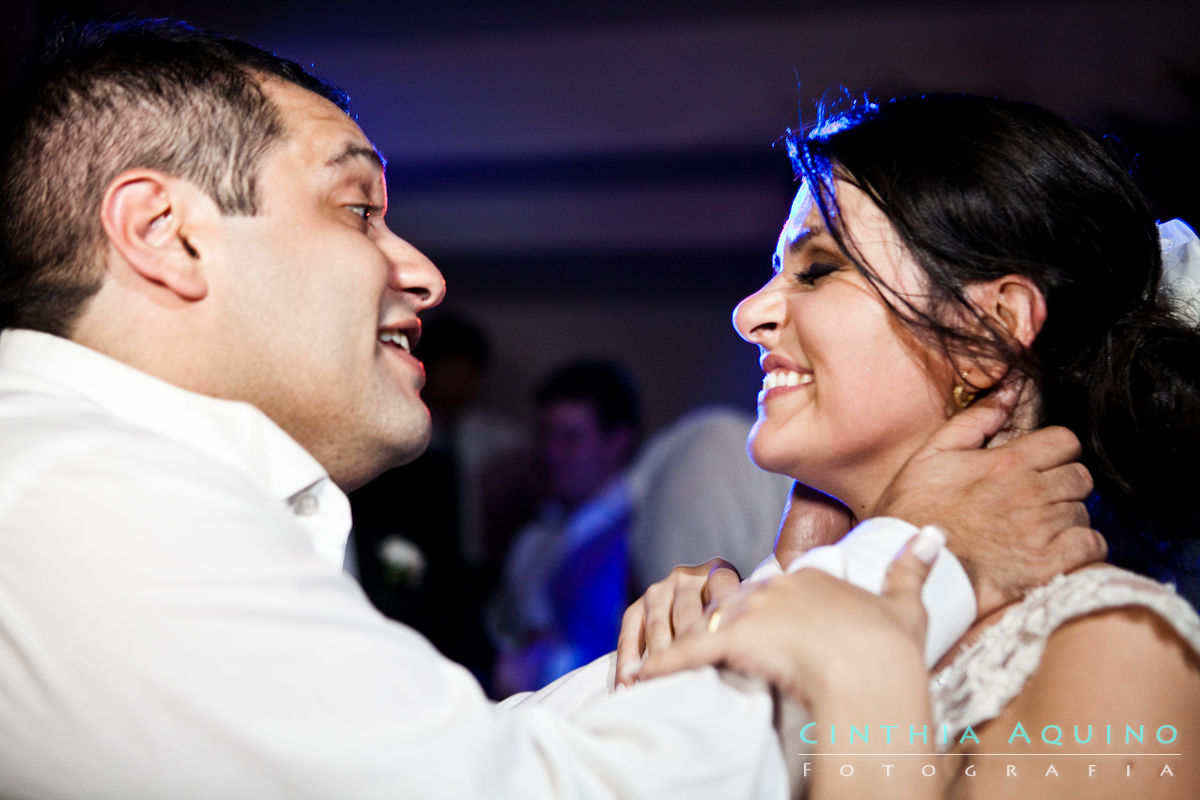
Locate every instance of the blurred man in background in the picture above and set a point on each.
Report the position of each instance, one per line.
(566, 580)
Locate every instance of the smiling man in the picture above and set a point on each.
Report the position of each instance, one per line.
(305, 308)
(207, 340)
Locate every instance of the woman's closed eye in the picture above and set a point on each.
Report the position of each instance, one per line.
(814, 272)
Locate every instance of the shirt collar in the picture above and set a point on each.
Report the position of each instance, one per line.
(233, 433)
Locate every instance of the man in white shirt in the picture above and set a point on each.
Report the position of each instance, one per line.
(208, 328)
(566, 579)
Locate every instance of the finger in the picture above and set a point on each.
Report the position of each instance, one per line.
(906, 577)
(659, 633)
(697, 649)
(687, 608)
(1068, 483)
(691, 593)
(1077, 547)
(907, 572)
(631, 643)
(970, 428)
(1046, 448)
(722, 582)
(1050, 521)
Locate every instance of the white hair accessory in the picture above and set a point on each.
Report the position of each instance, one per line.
(1180, 286)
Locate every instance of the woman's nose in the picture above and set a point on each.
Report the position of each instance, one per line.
(758, 314)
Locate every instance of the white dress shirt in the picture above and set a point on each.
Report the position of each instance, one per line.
(174, 624)
(697, 495)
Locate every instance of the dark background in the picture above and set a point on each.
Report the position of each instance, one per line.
(599, 178)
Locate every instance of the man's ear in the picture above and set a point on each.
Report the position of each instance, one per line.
(145, 216)
(1013, 304)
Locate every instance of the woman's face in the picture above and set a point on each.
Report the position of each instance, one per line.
(848, 393)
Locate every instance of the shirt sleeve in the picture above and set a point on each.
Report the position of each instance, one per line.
(700, 496)
(167, 631)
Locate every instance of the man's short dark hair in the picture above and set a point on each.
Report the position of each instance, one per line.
(107, 97)
(605, 386)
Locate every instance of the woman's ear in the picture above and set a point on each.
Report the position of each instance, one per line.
(144, 214)
(1013, 304)
(1014, 307)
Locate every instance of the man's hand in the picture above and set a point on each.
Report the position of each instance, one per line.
(1013, 513)
(668, 608)
(812, 519)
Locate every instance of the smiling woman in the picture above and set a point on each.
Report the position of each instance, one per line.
(941, 249)
(865, 393)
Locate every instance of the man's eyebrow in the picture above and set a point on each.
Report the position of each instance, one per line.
(355, 151)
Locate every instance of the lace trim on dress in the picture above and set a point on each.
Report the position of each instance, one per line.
(992, 670)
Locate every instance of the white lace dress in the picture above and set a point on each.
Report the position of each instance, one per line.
(992, 670)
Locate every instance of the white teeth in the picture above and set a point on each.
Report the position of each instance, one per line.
(397, 338)
(785, 377)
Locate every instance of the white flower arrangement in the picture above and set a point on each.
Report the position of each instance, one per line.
(403, 562)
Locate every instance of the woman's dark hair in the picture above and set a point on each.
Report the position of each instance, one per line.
(979, 188)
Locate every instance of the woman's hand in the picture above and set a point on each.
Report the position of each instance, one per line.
(845, 653)
(809, 633)
(668, 608)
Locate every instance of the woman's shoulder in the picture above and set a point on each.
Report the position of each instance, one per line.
(1107, 591)
(1070, 615)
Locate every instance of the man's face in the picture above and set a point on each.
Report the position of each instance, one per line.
(320, 299)
(578, 454)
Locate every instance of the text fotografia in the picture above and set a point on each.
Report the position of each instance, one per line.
(972, 769)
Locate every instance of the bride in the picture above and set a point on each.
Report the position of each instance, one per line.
(941, 249)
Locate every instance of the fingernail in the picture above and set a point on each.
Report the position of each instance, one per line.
(929, 541)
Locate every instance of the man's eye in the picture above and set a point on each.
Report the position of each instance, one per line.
(814, 272)
(364, 210)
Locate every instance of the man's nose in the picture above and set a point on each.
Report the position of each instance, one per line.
(413, 274)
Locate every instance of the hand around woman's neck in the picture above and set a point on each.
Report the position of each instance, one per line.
(812, 519)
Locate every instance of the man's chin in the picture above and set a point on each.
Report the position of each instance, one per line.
(401, 452)
(411, 450)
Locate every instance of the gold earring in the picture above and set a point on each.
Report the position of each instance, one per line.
(963, 396)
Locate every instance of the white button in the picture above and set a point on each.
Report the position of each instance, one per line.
(306, 505)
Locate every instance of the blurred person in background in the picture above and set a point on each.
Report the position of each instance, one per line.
(566, 579)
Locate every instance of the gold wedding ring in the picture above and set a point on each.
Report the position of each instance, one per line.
(714, 621)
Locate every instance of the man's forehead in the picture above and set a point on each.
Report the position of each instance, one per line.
(317, 125)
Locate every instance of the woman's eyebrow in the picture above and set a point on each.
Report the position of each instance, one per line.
(798, 244)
